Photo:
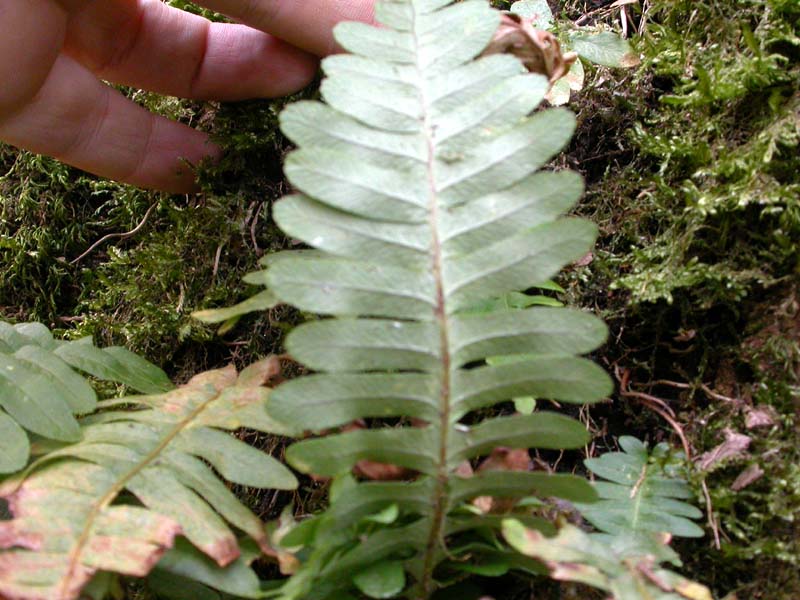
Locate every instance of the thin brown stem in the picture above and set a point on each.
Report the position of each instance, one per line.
(657, 405)
(111, 236)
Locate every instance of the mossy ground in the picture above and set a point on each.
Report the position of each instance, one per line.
(693, 175)
(692, 165)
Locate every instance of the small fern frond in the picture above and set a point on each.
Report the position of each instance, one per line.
(41, 392)
(643, 493)
(417, 189)
(72, 517)
(626, 568)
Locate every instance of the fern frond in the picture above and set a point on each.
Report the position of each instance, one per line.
(418, 192)
(41, 392)
(642, 494)
(627, 568)
(72, 518)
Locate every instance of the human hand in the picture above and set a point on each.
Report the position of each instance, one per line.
(55, 55)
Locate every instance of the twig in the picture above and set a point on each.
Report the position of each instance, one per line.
(253, 225)
(718, 396)
(181, 299)
(604, 9)
(643, 19)
(217, 256)
(71, 319)
(655, 404)
(712, 520)
(623, 17)
(121, 236)
(688, 386)
(652, 400)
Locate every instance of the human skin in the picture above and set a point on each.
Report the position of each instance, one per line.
(56, 55)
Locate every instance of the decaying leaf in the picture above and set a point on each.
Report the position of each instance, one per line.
(561, 90)
(507, 459)
(734, 446)
(750, 475)
(66, 526)
(502, 459)
(538, 50)
(628, 568)
(373, 470)
(760, 416)
(377, 471)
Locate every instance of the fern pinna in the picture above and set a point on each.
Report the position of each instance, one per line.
(40, 390)
(417, 189)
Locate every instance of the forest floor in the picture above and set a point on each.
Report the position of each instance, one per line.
(693, 175)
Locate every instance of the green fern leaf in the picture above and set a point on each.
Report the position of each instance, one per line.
(40, 391)
(66, 524)
(642, 495)
(419, 194)
(14, 445)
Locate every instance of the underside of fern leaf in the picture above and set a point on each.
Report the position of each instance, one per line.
(418, 191)
(643, 494)
(115, 501)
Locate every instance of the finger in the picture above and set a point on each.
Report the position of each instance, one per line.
(307, 24)
(83, 122)
(148, 44)
(31, 34)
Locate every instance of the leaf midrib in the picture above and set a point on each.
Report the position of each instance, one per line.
(637, 495)
(440, 500)
(103, 502)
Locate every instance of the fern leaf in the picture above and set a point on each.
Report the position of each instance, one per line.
(14, 445)
(626, 568)
(642, 494)
(418, 191)
(40, 391)
(66, 524)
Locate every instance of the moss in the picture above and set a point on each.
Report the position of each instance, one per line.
(693, 176)
(714, 153)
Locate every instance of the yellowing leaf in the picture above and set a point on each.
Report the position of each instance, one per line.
(66, 526)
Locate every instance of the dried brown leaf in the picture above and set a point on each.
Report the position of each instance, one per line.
(538, 50)
(502, 459)
(750, 475)
(760, 416)
(376, 471)
(735, 446)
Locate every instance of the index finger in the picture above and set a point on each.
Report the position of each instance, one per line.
(307, 24)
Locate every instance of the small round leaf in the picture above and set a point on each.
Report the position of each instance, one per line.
(381, 580)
